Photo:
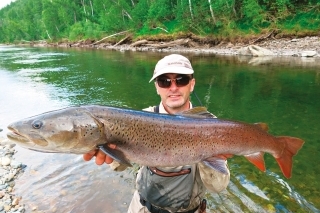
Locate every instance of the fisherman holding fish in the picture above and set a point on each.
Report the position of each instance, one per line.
(171, 189)
(180, 155)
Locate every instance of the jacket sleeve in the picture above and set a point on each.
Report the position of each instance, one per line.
(213, 180)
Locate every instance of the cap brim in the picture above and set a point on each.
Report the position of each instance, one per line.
(177, 70)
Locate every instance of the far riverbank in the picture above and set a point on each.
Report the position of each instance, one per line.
(279, 47)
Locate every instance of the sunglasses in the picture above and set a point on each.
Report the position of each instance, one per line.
(180, 81)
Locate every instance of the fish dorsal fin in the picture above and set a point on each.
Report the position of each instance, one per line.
(262, 126)
(197, 112)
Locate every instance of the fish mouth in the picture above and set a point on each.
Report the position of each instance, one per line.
(17, 137)
(29, 140)
(20, 140)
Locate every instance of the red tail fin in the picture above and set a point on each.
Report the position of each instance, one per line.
(291, 147)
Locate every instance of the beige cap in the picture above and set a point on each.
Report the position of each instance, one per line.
(173, 63)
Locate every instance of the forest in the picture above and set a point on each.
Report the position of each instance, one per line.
(72, 20)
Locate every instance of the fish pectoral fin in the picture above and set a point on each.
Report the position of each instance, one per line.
(257, 160)
(115, 154)
(217, 164)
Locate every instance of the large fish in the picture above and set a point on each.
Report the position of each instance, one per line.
(153, 139)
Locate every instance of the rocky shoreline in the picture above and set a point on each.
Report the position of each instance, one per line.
(277, 47)
(10, 169)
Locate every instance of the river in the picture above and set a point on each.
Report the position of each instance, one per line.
(282, 92)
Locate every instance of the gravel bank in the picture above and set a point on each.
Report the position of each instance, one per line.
(279, 47)
(9, 171)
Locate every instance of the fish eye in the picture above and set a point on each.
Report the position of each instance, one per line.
(37, 124)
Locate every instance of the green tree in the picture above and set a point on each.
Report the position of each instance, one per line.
(81, 19)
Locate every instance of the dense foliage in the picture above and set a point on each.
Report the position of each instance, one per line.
(31, 20)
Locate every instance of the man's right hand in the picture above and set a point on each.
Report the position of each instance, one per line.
(101, 157)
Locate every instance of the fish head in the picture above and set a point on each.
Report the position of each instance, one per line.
(69, 130)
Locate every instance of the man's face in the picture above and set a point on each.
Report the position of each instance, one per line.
(175, 97)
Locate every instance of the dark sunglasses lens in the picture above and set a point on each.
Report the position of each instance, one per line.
(164, 83)
(182, 81)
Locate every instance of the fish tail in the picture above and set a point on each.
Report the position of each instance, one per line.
(291, 147)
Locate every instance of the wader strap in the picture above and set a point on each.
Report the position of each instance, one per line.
(156, 109)
(168, 174)
(154, 209)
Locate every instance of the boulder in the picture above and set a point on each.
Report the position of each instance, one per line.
(309, 53)
(254, 50)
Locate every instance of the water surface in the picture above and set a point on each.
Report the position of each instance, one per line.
(282, 92)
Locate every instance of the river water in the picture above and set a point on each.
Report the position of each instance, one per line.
(282, 92)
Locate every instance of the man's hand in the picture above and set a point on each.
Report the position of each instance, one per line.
(100, 157)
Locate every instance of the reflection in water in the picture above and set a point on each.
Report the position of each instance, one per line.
(21, 97)
(280, 61)
(40, 58)
(65, 183)
(38, 80)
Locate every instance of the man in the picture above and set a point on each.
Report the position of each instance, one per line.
(171, 189)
